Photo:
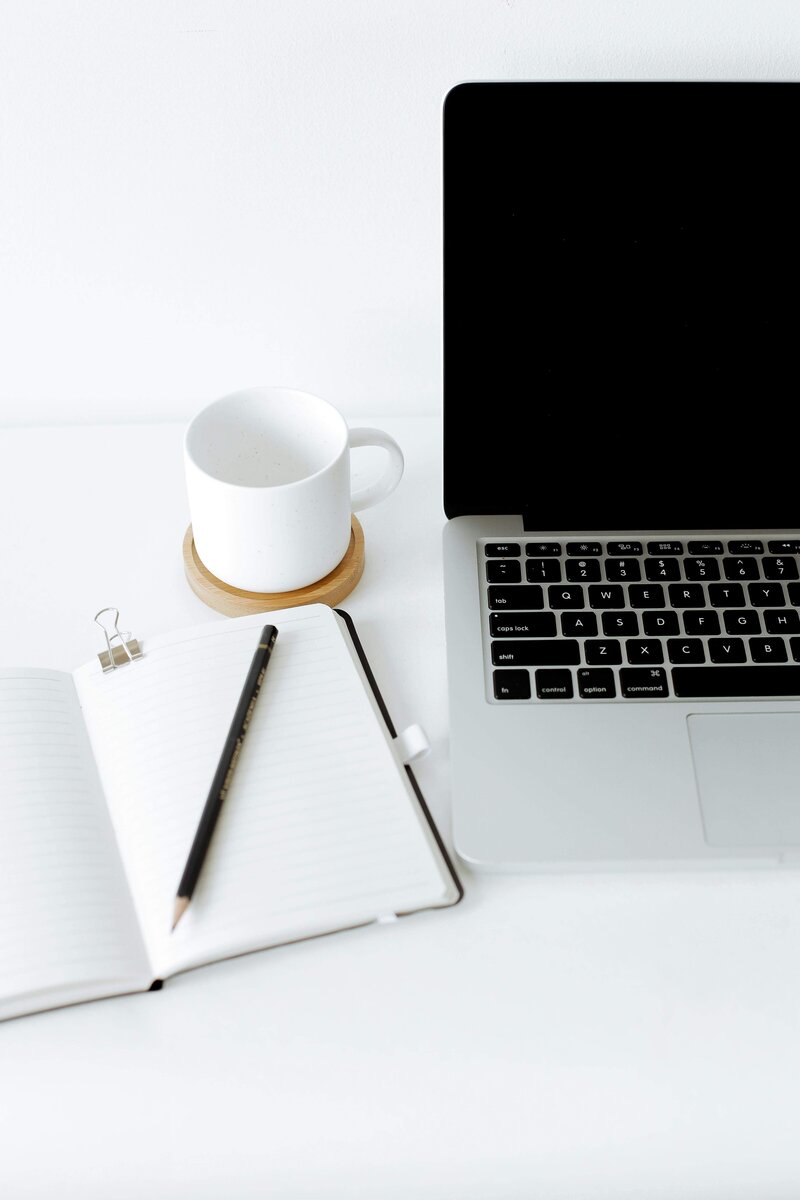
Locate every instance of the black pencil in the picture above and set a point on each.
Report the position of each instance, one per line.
(224, 773)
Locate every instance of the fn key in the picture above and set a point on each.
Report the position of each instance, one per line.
(512, 685)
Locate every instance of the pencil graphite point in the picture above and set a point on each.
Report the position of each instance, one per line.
(181, 905)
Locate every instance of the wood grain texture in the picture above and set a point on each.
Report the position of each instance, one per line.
(234, 602)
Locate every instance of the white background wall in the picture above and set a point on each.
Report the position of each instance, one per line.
(198, 195)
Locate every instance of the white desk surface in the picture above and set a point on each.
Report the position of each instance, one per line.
(577, 1037)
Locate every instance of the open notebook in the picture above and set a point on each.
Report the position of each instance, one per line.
(103, 778)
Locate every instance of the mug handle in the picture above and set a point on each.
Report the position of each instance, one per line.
(383, 487)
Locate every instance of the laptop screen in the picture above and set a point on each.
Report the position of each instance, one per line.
(622, 265)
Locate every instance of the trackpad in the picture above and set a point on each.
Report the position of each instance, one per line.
(747, 768)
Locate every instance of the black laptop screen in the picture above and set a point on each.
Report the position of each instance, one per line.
(622, 265)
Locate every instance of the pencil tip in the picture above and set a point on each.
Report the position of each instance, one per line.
(181, 905)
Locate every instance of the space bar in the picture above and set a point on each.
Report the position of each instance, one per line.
(736, 681)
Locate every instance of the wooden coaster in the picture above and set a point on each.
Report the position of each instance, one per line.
(233, 602)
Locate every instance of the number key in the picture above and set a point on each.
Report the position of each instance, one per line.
(780, 568)
(543, 570)
(740, 568)
(580, 570)
(623, 570)
(702, 568)
(657, 569)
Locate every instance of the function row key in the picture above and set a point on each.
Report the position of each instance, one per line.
(616, 548)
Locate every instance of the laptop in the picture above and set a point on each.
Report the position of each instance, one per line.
(622, 550)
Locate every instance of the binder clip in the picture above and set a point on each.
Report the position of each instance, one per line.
(121, 648)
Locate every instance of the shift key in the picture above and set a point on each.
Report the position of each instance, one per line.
(536, 654)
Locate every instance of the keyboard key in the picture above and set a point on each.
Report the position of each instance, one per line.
(606, 597)
(582, 570)
(541, 624)
(736, 681)
(525, 596)
(554, 685)
(726, 650)
(740, 568)
(583, 549)
(779, 568)
(624, 624)
(543, 570)
(686, 595)
(511, 685)
(701, 568)
(662, 568)
(701, 622)
(745, 547)
(534, 653)
(623, 548)
(644, 650)
(685, 650)
(706, 548)
(579, 624)
(794, 593)
(639, 683)
(764, 650)
(624, 570)
(603, 653)
(790, 546)
(724, 595)
(642, 595)
(658, 624)
(785, 620)
(542, 549)
(766, 595)
(665, 547)
(501, 549)
(503, 570)
(565, 597)
(794, 645)
(742, 622)
(596, 683)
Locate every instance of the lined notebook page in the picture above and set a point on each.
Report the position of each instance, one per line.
(67, 924)
(318, 831)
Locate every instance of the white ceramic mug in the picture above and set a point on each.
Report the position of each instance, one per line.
(268, 476)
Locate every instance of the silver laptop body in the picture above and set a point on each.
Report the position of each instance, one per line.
(620, 445)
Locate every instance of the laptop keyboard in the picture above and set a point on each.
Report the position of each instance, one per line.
(616, 619)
